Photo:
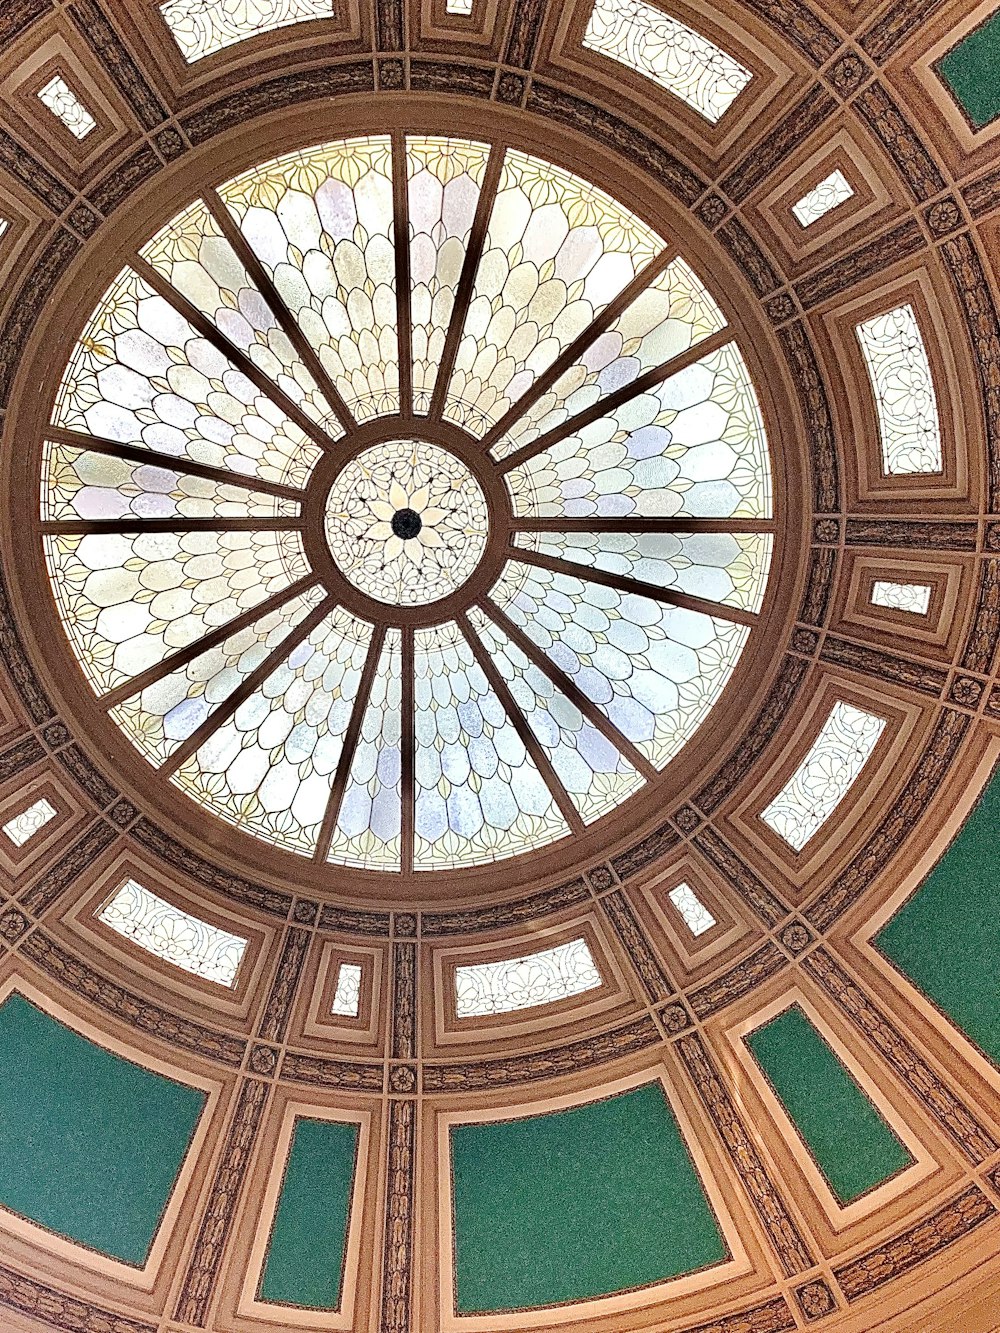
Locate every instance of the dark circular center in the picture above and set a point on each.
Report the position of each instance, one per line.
(406, 523)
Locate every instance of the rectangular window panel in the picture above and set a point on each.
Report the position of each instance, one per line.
(201, 27)
(458, 7)
(347, 997)
(838, 754)
(521, 983)
(4, 224)
(969, 70)
(696, 915)
(28, 822)
(60, 99)
(674, 56)
(912, 597)
(164, 930)
(830, 192)
(900, 373)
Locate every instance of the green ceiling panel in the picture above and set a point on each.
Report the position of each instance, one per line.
(946, 939)
(971, 69)
(305, 1261)
(90, 1143)
(848, 1139)
(575, 1204)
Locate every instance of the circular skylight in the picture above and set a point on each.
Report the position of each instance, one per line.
(407, 505)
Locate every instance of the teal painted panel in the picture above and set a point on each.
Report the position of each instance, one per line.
(846, 1135)
(305, 1260)
(90, 1143)
(946, 939)
(580, 1203)
(971, 70)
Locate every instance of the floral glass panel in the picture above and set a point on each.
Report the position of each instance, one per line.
(141, 375)
(832, 190)
(674, 312)
(175, 936)
(594, 773)
(201, 27)
(833, 764)
(271, 765)
(522, 983)
(674, 56)
(912, 597)
(479, 796)
(321, 223)
(557, 251)
(693, 445)
(367, 833)
(655, 671)
(905, 401)
(347, 996)
(695, 914)
(720, 566)
(444, 180)
(28, 822)
(63, 102)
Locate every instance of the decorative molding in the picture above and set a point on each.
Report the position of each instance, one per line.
(31, 296)
(31, 173)
(636, 944)
(114, 55)
(40, 896)
(274, 1020)
(87, 776)
(113, 189)
(911, 533)
(739, 980)
(819, 585)
(397, 1250)
(389, 34)
(890, 30)
(798, 349)
(749, 257)
(884, 666)
(374, 925)
(321, 82)
(917, 168)
(525, 28)
(795, 22)
(435, 924)
(169, 850)
(772, 1317)
(864, 262)
(645, 852)
(17, 16)
(816, 1300)
(984, 633)
(19, 756)
(28, 1296)
(754, 892)
(353, 1076)
(780, 142)
(404, 1001)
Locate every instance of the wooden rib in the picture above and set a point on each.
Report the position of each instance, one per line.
(613, 400)
(240, 695)
(204, 327)
(186, 466)
(520, 724)
(638, 524)
(407, 785)
(351, 735)
(571, 355)
(622, 583)
(466, 282)
(218, 635)
(573, 692)
(401, 235)
(78, 527)
(289, 324)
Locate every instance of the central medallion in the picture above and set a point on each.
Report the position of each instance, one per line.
(406, 522)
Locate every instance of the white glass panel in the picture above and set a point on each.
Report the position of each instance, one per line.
(175, 936)
(912, 597)
(347, 997)
(522, 983)
(664, 50)
(458, 7)
(900, 373)
(834, 190)
(836, 758)
(28, 822)
(696, 915)
(60, 99)
(203, 26)
(4, 224)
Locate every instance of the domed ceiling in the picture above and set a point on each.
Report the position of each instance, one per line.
(499, 597)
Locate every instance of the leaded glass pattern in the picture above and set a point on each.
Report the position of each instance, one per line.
(177, 937)
(829, 770)
(832, 191)
(26, 824)
(693, 911)
(64, 104)
(347, 996)
(202, 27)
(510, 984)
(912, 597)
(663, 49)
(900, 373)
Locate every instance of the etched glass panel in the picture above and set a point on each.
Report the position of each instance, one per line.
(201, 27)
(522, 983)
(912, 597)
(61, 100)
(28, 822)
(834, 762)
(832, 190)
(175, 936)
(696, 915)
(905, 401)
(663, 49)
(347, 997)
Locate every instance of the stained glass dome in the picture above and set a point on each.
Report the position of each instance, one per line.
(407, 503)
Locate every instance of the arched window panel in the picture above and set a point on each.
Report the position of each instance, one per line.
(141, 375)
(832, 191)
(127, 601)
(80, 483)
(654, 671)
(725, 567)
(673, 313)
(177, 937)
(26, 824)
(510, 984)
(202, 27)
(912, 597)
(347, 996)
(270, 767)
(596, 775)
(320, 222)
(444, 180)
(368, 828)
(479, 796)
(693, 445)
(665, 50)
(557, 251)
(193, 255)
(162, 716)
(826, 774)
(900, 373)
